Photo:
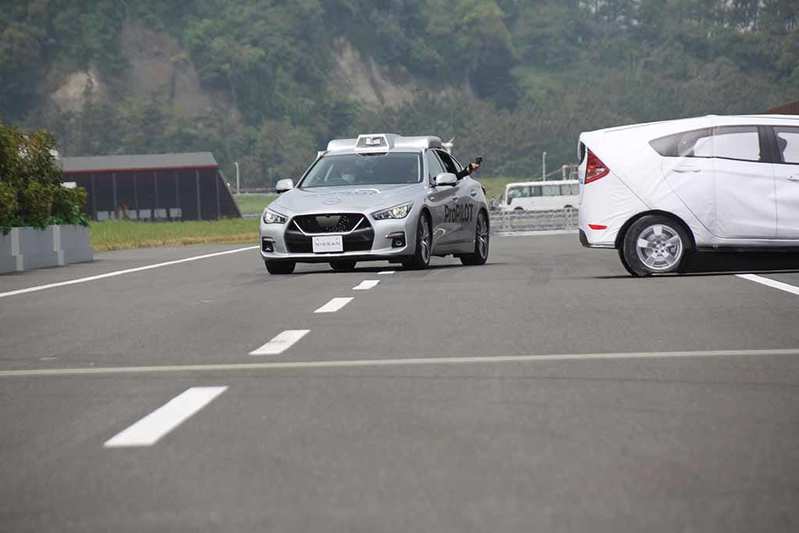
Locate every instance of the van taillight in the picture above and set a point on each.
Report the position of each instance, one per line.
(594, 169)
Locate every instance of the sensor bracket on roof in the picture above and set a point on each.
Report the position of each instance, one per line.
(372, 143)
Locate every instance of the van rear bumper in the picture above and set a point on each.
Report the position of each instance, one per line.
(584, 241)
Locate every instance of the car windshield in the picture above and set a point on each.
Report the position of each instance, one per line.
(369, 169)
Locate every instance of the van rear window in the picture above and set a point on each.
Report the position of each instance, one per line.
(695, 143)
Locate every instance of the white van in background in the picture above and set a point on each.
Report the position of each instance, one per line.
(540, 195)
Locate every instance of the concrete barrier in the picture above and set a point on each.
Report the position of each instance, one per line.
(30, 248)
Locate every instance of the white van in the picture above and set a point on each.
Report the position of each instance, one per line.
(540, 195)
(658, 191)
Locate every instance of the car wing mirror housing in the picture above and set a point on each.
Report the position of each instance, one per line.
(446, 179)
(284, 185)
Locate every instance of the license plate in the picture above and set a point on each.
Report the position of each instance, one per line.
(328, 244)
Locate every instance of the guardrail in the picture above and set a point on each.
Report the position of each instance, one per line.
(517, 221)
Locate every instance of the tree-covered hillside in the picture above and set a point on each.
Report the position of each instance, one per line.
(268, 82)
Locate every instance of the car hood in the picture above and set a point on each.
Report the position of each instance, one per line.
(341, 199)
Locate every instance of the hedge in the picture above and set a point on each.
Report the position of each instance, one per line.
(31, 193)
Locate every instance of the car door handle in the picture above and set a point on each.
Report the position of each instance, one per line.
(795, 177)
(685, 170)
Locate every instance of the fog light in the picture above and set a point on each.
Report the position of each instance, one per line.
(267, 245)
(397, 239)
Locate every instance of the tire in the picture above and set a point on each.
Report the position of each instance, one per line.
(481, 242)
(624, 261)
(279, 267)
(343, 265)
(424, 245)
(665, 241)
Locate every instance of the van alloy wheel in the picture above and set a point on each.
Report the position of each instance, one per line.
(659, 247)
(655, 244)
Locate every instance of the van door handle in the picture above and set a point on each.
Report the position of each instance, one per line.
(795, 177)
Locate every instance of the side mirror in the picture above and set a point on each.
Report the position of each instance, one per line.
(510, 200)
(446, 179)
(284, 185)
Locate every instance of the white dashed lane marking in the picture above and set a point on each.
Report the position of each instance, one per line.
(281, 343)
(157, 424)
(333, 305)
(366, 284)
(386, 273)
(774, 284)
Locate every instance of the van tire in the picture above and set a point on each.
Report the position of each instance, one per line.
(668, 246)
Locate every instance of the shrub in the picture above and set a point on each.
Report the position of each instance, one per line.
(68, 205)
(30, 182)
(8, 206)
(36, 204)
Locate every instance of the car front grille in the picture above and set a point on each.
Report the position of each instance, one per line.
(359, 240)
(329, 223)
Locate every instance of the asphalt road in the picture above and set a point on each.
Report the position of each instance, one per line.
(544, 391)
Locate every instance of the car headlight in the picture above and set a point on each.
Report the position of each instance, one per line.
(396, 212)
(272, 217)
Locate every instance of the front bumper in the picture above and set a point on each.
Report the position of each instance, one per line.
(281, 242)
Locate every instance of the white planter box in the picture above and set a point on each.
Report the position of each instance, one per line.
(31, 248)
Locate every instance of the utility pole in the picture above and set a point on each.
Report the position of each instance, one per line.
(238, 183)
(543, 166)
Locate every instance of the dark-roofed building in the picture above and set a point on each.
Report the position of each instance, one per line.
(787, 109)
(152, 187)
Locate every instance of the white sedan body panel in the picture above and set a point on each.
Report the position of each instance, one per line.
(724, 201)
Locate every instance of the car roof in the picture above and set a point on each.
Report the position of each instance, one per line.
(709, 120)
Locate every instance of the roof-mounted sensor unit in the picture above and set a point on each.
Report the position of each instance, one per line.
(372, 143)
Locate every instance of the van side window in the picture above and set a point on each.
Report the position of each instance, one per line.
(788, 144)
(551, 190)
(737, 142)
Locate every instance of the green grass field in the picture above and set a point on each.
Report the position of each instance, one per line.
(122, 234)
(251, 204)
(495, 186)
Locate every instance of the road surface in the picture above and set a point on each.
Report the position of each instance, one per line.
(186, 390)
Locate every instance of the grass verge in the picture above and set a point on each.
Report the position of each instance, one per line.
(253, 203)
(495, 186)
(123, 234)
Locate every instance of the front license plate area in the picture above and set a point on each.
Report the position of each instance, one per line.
(328, 244)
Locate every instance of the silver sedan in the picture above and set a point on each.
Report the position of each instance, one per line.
(377, 197)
